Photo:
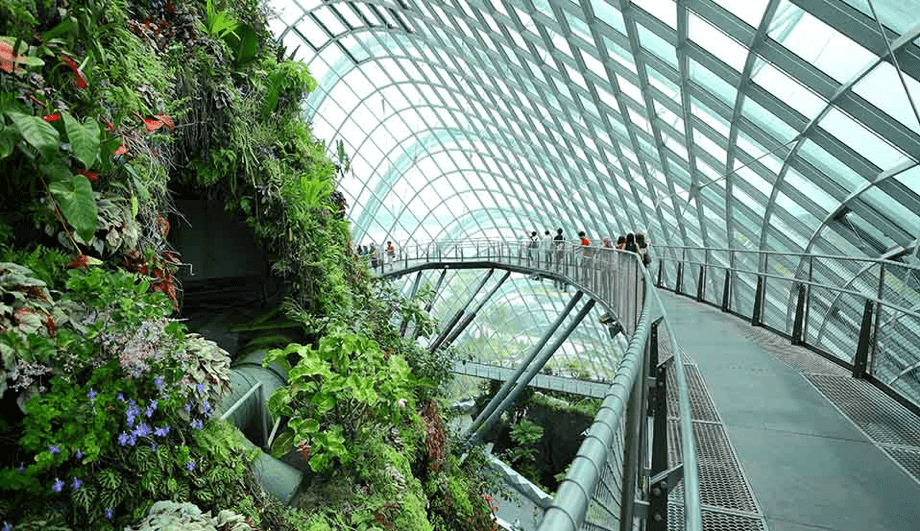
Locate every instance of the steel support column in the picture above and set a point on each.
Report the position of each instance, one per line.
(865, 339)
(509, 383)
(798, 324)
(758, 303)
(453, 320)
(468, 318)
(532, 371)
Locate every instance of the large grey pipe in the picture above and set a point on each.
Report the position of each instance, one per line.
(279, 479)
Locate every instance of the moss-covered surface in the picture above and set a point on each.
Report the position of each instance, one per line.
(110, 111)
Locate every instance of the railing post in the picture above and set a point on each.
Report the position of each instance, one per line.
(699, 283)
(659, 272)
(797, 325)
(878, 317)
(758, 302)
(679, 286)
(811, 272)
(658, 407)
(865, 336)
(726, 290)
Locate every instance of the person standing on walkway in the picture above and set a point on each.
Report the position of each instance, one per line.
(621, 242)
(546, 249)
(532, 243)
(559, 242)
(585, 254)
(391, 252)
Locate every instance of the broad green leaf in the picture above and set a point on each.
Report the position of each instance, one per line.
(37, 132)
(282, 444)
(8, 138)
(75, 199)
(134, 206)
(83, 138)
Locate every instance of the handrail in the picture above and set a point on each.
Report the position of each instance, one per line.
(597, 271)
(818, 301)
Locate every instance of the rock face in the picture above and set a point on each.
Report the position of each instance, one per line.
(171, 516)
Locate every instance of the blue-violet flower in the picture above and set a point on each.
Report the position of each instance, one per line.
(58, 485)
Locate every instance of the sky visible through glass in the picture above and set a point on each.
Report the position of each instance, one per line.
(759, 124)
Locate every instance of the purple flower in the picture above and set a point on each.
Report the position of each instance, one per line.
(79, 454)
(91, 394)
(122, 398)
(54, 450)
(21, 469)
(148, 412)
(200, 387)
(207, 407)
(197, 424)
(153, 446)
(161, 432)
(190, 465)
(123, 439)
(132, 440)
(7, 526)
(76, 484)
(58, 485)
(158, 382)
(188, 407)
(142, 430)
(108, 513)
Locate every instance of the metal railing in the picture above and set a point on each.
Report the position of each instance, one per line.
(862, 313)
(620, 475)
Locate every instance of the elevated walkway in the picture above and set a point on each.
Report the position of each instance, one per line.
(540, 381)
(811, 448)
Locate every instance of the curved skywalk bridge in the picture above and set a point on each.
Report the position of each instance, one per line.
(620, 476)
(787, 437)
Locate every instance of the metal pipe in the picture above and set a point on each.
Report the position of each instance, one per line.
(509, 383)
(532, 371)
(443, 335)
(468, 318)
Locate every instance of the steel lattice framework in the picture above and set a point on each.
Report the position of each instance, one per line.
(783, 125)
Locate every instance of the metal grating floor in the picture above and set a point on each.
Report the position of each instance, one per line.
(909, 458)
(796, 357)
(881, 418)
(722, 484)
(714, 520)
(701, 405)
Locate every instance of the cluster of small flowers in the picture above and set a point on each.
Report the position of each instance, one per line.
(137, 349)
(23, 374)
(58, 484)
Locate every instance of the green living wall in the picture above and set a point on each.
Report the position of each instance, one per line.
(108, 111)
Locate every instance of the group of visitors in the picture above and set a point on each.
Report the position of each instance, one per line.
(375, 256)
(550, 249)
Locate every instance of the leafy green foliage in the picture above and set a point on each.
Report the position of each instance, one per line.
(333, 392)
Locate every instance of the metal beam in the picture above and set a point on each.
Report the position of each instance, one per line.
(453, 321)
(468, 318)
(532, 371)
(509, 383)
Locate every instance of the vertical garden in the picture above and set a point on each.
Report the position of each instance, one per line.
(110, 112)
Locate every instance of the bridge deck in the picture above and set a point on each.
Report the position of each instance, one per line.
(809, 466)
(541, 381)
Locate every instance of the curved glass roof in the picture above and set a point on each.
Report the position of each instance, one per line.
(784, 125)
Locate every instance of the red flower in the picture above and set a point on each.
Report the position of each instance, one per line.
(121, 150)
(79, 80)
(82, 261)
(52, 117)
(167, 121)
(89, 174)
(8, 58)
(110, 126)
